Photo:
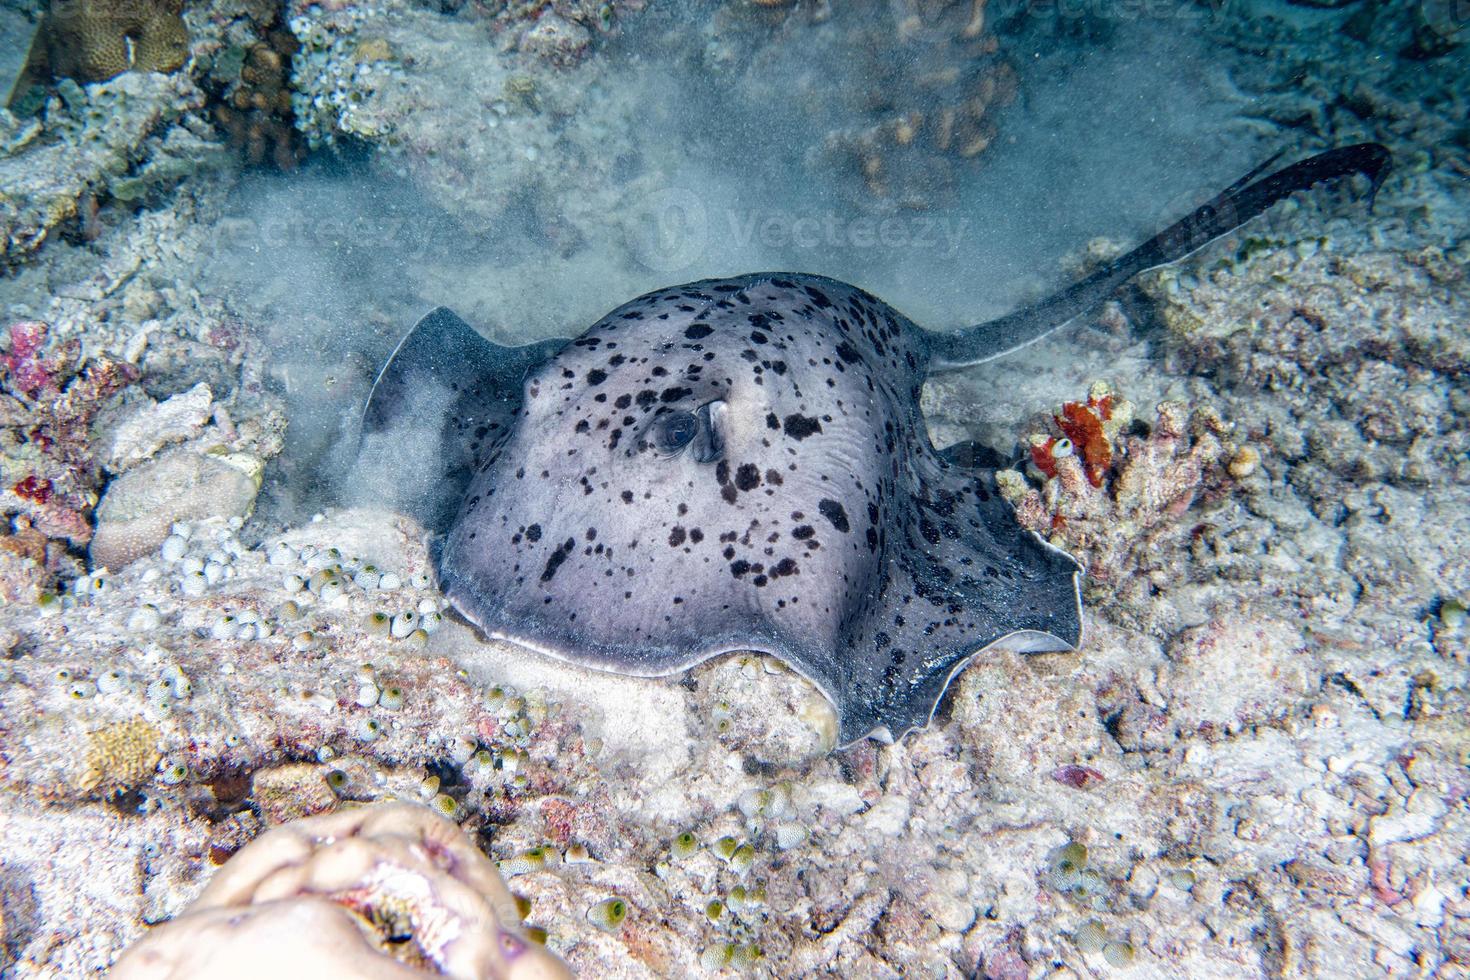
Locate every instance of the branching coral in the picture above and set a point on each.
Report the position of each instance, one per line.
(390, 891)
(250, 87)
(1118, 499)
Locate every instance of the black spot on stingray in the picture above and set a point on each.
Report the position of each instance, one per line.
(847, 353)
(596, 376)
(698, 331)
(774, 478)
(533, 533)
(786, 566)
(771, 421)
(748, 477)
(623, 401)
(800, 426)
(756, 337)
(647, 397)
(676, 537)
(803, 532)
(929, 532)
(729, 493)
(834, 513)
(696, 535)
(627, 496)
(557, 557)
(739, 567)
(671, 395)
(729, 552)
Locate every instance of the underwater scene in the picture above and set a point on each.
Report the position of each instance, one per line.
(735, 488)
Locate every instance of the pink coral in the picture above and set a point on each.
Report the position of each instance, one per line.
(27, 373)
(47, 407)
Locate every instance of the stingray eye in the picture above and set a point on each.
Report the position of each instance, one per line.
(677, 431)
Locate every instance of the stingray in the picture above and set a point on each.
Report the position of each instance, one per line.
(741, 464)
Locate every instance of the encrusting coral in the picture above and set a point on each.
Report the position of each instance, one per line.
(48, 401)
(391, 891)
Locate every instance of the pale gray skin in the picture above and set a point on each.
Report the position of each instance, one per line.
(808, 516)
(741, 464)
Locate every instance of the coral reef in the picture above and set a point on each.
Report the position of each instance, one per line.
(48, 401)
(355, 893)
(245, 64)
(1127, 505)
(95, 40)
(918, 103)
(129, 133)
(345, 74)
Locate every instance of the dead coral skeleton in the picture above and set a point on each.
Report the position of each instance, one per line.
(1115, 496)
(385, 891)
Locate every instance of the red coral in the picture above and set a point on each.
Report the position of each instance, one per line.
(1082, 423)
(33, 489)
(1041, 455)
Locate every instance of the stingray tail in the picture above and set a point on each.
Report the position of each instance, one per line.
(1227, 211)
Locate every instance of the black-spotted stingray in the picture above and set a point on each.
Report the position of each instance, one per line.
(741, 464)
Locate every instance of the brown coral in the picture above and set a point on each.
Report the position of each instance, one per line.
(119, 757)
(252, 98)
(94, 40)
(936, 79)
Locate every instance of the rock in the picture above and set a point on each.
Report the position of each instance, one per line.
(558, 40)
(1228, 674)
(292, 791)
(140, 506)
(155, 425)
(1024, 716)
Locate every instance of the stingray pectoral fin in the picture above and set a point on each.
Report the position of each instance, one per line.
(1228, 210)
(442, 402)
(964, 581)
